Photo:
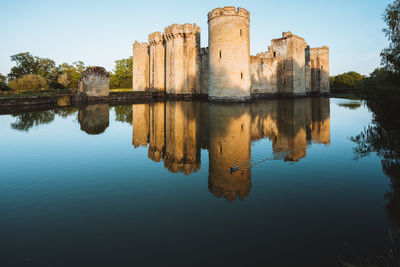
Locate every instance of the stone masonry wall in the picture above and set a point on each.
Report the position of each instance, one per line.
(182, 66)
(140, 75)
(263, 71)
(229, 44)
(290, 53)
(308, 70)
(157, 62)
(319, 58)
(94, 82)
(205, 62)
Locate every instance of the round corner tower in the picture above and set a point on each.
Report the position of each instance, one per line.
(229, 44)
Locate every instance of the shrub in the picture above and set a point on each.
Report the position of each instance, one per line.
(348, 80)
(28, 82)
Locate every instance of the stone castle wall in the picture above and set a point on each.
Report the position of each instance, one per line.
(204, 69)
(140, 76)
(263, 69)
(319, 61)
(174, 62)
(229, 60)
(290, 53)
(157, 62)
(182, 59)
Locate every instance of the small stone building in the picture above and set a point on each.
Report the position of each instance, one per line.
(94, 82)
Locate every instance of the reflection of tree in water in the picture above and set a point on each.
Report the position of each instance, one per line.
(383, 138)
(351, 105)
(123, 113)
(65, 112)
(27, 120)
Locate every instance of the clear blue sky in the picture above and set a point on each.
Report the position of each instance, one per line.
(99, 32)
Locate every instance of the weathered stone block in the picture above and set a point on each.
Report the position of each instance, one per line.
(94, 82)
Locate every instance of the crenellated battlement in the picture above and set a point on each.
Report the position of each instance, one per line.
(190, 29)
(228, 11)
(181, 30)
(156, 38)
(320, 48)
(136, 44)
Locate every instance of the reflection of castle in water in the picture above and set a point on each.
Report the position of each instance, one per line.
(177, 131)
(94, 119)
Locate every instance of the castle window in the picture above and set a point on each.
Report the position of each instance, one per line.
(220, 149)
(274, 54)
(322, 67)
(241, 32)
(241, 75)
(220, 54)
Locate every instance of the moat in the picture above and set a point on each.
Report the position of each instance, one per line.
(266, 183)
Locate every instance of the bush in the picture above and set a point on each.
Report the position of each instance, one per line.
(28, 82)
(348, 80)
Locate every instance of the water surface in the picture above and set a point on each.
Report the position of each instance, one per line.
(271, 183)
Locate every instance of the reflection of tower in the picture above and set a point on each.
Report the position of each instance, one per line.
(264, 119)
(140, 125)
(157, 124)
(182, 153)
(229, 150)
(94, 119)
(291, 142)
(320, 124)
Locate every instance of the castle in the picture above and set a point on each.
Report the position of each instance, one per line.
(175, 63)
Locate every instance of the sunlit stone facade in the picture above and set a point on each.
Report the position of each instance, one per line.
(94, 82)
(225, 71)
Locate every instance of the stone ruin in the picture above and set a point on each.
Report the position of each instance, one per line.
(94, 82)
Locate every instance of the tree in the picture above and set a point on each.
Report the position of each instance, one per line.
(28, 64)
(348, 80)
(3, 82)
(25, 64)
(121, 77)
(70, 74)
(391, 55)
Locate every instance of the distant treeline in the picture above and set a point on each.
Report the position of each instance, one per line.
(36, 73)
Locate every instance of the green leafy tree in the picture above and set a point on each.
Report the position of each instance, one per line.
(70, 74)
(391, 55)
(348, 80)
(121, 76)
(28, 64)
(3, 82)
(25, 64)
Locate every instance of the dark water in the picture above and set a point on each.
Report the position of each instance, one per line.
(272, 183)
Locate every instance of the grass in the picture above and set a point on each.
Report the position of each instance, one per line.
(118, 90)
